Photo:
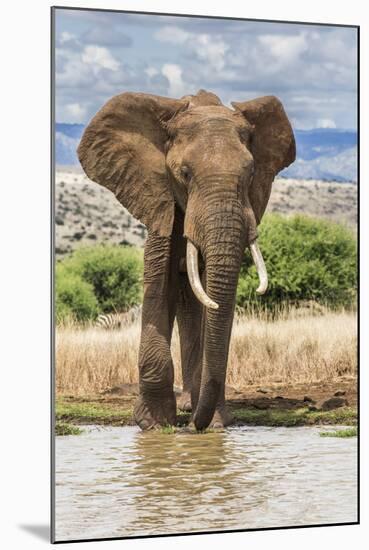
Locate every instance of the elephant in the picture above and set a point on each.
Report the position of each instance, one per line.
(198, 174)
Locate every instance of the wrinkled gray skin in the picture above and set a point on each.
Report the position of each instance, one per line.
(191, 170)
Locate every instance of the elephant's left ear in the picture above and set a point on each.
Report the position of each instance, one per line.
(122, 149)
(272, 145)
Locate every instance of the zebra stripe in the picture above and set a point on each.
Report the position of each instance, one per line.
(118, 320)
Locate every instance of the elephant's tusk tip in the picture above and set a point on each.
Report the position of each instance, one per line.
(212, 305)
(261, 290)
(263, 287)
(260, 266)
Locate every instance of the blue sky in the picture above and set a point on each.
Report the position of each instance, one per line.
(311, 68)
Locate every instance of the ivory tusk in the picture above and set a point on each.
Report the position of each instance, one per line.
(260, 266)
(192, 259)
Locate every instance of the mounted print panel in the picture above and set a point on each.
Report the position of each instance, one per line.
(205, 274)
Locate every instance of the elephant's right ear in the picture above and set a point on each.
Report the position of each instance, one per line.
(122, 149)
(272, 145)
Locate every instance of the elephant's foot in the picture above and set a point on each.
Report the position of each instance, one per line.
(152, 413)
(184, 402)
(222, 417)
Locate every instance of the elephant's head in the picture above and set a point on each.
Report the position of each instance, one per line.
(217, 164)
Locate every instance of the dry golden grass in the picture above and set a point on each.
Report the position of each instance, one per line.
(295, 350)
(288, 350)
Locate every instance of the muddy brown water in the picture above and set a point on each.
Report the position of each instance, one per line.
(119, 481)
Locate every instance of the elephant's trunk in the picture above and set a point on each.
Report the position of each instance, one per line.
(224, 243)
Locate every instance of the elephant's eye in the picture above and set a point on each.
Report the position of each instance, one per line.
(185, 171)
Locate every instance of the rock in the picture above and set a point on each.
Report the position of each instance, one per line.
(262, 390)
(78, 235)
(261, 404)
(308, 399)
(338, 393)
(231, 392)
(334, 403)
(123, 389)
(312, 407)
(331, 404)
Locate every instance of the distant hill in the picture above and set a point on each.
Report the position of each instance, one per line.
(341, 167)
(323, 141)
(87, 213)
(322, 153)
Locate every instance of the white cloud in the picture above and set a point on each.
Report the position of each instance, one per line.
(66, 36)
(76, 112)
(312, 69)
(285, 49)
(213, 52)
(82, 68)
(172, 34)
(173, 73)
(306, 99)
(325, 123)
(71, 72)
(204, 47)
(99, 57)
(100, 36)
(151, 71)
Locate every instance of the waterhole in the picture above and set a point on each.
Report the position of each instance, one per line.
(119, 481)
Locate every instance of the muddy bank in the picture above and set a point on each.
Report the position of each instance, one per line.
(270, 406)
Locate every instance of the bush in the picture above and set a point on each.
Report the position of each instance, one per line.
(75, 298)
(113, 272)
(306, 259)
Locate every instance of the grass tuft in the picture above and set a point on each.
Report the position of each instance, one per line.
(63, 428)
(168, 429)
(92, 412)
(352, 432)
(295, 417)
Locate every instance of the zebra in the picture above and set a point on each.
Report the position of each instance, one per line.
(118, 320)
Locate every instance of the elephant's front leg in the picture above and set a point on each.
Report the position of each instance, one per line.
(156, 404)
(190, 327)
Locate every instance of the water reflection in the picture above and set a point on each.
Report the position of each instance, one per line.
(190, 477)
(121, 481)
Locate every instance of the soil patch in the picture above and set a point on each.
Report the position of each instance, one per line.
(275, 405)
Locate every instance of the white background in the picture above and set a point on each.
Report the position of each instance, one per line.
(25, 273)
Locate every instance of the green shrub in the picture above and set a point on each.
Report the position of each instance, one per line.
(306, 259)
(75, 298)
(114, 273)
